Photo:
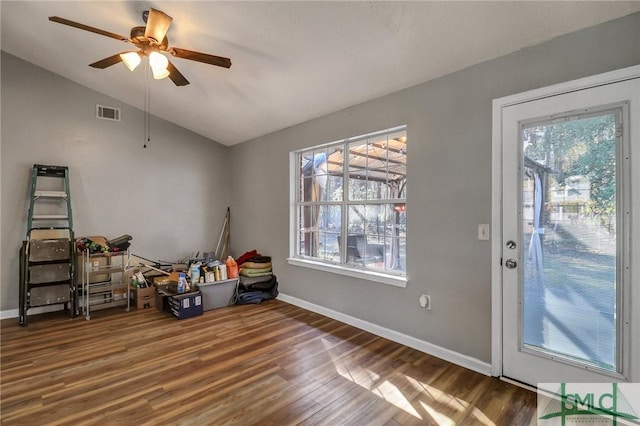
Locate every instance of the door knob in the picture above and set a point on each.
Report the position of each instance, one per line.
(510, 263)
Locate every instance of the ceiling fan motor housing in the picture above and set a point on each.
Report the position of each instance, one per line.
(139, 39)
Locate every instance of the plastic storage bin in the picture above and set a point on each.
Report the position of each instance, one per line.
(218, 294)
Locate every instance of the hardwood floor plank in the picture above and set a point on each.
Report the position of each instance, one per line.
(271, 363)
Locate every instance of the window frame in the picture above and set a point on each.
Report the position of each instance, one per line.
(399, 278)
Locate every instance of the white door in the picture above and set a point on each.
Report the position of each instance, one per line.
(567, 218)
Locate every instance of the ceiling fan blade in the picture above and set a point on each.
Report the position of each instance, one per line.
(201, 57)
(64, 21)
(176, 76)
(107, 62)
(157, 25)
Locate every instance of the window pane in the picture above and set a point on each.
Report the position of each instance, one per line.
(321, 174)
(335, 159)
(328, 246)
(396, 220)
(376, 155)
(397, 180)
(319, 171)
(306, 158)
(365, 242)
(330, 218)
(306, 216)
(306, 189)
(356, 219)
(397, 152)
(377, 185)
(330, 224)
(357, 156)
(334, 188)
(570, 249)
(363, 250)
(375, 218)
(318, 235)
(357, 188)
(357, 171)
(396, 254)
(313, 174)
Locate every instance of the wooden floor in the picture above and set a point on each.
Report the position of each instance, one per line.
(272, 363)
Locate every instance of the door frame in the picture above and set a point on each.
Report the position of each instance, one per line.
(496, 199)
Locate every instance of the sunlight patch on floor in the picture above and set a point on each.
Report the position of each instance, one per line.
(369, 380)
(438, 417)
(441, 398)
(431, 396)
(481, 417)
(390, 393)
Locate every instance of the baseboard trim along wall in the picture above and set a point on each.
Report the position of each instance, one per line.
(14, 313)
(395, 336)
(10, 313)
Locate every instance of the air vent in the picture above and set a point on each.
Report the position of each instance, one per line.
(108, 113)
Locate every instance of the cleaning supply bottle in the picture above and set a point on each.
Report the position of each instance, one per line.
(232, 268)
(182, 282)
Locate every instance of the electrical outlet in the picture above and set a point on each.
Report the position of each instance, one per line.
(425, 301)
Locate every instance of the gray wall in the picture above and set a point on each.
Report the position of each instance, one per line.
(449, 181)
(171, 197)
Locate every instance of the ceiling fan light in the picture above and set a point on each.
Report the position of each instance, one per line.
(131, 59)
(158, 62)
(160, 74)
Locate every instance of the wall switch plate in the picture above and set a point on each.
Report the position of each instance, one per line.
(483, 231)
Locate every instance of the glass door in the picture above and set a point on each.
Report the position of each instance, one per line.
(566, 210)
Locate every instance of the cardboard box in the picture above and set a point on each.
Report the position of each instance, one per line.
(144, 298)
(97, 261)
(218, 294)
(186, 305)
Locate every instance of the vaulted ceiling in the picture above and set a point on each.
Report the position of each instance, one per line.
(291, 61)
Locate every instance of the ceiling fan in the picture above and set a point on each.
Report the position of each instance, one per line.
(151, 40)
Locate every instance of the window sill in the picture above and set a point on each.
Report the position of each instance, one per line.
(394, 280)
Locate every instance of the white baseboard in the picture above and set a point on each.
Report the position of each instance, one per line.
(395, 336)
(14, 313)
(11, 313)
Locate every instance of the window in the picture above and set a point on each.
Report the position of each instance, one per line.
(350, 203)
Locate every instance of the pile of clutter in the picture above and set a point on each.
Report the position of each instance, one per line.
(102, 245)
(210, 270)
(257, 281)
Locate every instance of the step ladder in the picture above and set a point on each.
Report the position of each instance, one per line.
(47, 255)
(62, 193)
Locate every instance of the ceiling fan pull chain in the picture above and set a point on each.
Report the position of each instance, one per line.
(147, 108)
